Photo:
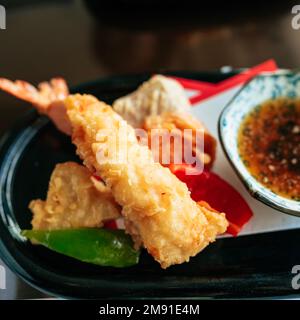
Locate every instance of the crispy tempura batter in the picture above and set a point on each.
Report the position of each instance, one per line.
(157, 207)
(73, 201)
(157, 95)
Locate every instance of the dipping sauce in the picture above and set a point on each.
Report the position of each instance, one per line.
(269, 144)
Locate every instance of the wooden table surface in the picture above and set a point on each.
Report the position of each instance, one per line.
(49, 38)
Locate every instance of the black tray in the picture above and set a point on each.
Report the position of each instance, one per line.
(243, 267)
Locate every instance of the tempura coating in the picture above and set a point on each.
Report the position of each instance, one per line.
(157, 207)
(73, 201)
(157, 95)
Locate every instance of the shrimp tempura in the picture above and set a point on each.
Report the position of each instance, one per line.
(158, 209)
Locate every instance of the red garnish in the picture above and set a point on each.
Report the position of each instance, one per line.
(217, 193)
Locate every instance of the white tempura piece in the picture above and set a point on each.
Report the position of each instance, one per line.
(155, 96)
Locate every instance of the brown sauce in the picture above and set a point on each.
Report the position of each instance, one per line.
(269, 144)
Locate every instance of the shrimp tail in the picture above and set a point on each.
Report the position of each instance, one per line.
(48, 98)
(42, 97)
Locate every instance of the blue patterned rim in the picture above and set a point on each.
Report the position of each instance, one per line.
(254, 92)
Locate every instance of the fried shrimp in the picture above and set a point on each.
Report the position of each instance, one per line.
(158, 209)
(73, 201)
(159, 103)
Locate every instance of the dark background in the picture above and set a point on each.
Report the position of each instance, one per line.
(49, 38)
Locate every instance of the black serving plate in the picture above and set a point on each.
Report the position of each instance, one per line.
(247, 266)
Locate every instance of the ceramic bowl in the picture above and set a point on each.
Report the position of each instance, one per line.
(256, 91)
